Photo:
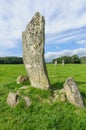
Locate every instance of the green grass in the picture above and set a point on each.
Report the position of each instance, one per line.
(41, 115)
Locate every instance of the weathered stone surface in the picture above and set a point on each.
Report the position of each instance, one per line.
(27, 100)
(72, 92)
(56, 97)
(56, 91)
(61, 91)
(59, 95)
(12, 99)
(22, 79)
(62, 97)
(33, 52)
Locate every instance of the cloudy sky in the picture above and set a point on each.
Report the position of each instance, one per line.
(65, 26)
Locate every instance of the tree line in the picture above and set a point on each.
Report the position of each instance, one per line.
(11, 60)
(68, 59)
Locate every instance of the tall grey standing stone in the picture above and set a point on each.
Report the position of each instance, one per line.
(33, 52)
(72, 92)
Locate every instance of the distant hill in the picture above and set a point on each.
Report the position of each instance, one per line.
(83, 59)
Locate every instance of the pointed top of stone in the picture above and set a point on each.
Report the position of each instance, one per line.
(37, 19)
(37, 14)
(69, 80)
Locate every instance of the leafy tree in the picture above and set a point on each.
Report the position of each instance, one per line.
(68, 59)
(75, 59)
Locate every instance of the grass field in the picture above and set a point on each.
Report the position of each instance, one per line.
(42, 115)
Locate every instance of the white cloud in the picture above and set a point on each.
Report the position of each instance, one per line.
(60, 15)
(71, 35)
(81, 42)
(52, 55)
(68, 16)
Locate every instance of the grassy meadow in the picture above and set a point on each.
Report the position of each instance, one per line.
(42, 115)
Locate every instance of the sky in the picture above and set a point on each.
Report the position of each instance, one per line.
(65, 26)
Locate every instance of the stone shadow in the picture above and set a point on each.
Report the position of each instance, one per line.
(83, 94)
(79, 83)
(83, 97)
(57, 85)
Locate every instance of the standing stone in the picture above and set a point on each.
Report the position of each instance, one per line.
(55, 62)
(72, 92)
(62, 62)
(33, 52)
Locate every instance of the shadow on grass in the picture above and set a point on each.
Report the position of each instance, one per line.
(83, 93)
(83, 97)
(57, 85)
(79, 83)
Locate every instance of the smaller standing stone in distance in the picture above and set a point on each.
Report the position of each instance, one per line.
(55, 62)
(63, 63)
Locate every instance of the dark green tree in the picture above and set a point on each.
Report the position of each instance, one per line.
(11, 60)
(75, 59)
(68, 59)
